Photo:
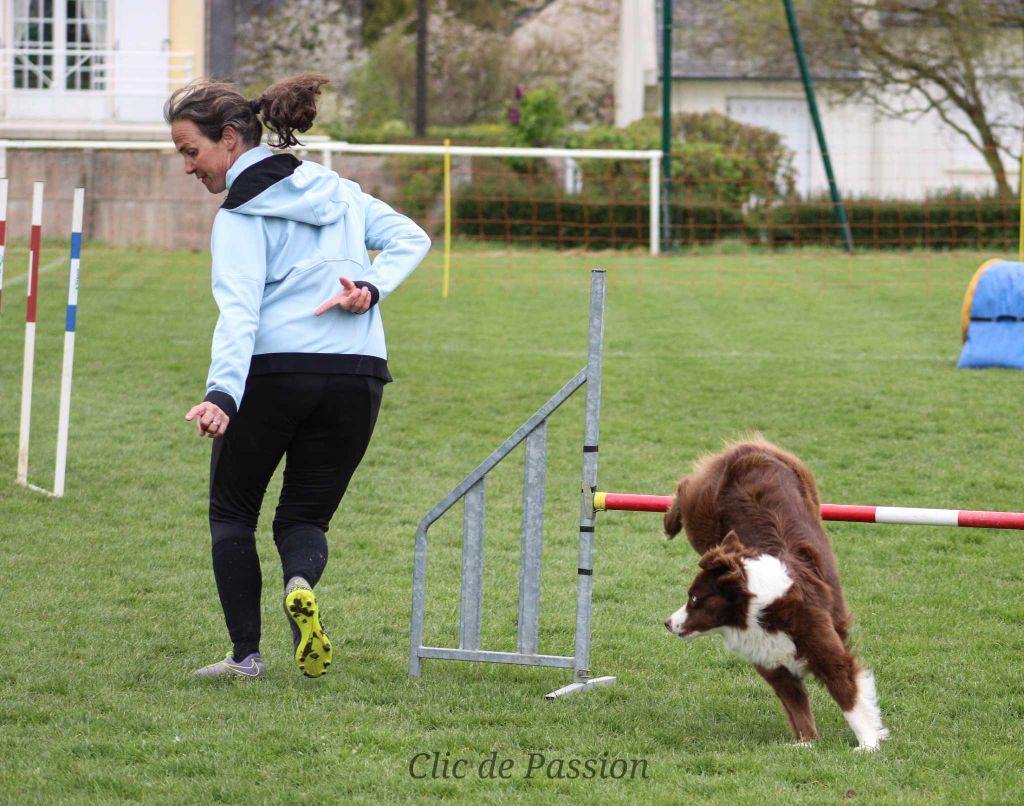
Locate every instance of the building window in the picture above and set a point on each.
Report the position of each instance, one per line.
(60, 43)
(33, 41)
(86, 26)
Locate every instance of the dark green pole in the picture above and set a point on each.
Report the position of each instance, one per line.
(666, 122)
(812, 104)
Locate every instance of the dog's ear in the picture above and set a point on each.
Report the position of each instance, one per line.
(713, 561)
(718, 560)
(725, 560)
(731, 542)
(673, 523)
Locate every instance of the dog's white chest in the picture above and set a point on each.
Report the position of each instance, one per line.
(764, 649)
(767, 580)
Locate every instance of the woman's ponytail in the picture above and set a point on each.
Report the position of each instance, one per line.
(288, 106)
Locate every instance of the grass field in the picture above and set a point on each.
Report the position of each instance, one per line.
(109, 602)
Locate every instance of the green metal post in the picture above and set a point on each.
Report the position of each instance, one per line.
(666, 124)
(812, 104)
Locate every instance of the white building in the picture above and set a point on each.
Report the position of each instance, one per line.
(76, 67)
(872, 155)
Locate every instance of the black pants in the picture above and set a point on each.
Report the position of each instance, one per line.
(322, 425)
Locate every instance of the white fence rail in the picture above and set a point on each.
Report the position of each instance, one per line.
(326, 149)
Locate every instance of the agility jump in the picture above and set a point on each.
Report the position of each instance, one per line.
(533, 432)
(912, 516)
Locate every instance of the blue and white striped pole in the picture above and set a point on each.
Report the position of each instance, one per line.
(64, 417)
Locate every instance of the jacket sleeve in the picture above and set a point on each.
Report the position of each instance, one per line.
(239, 275)
(402, 244)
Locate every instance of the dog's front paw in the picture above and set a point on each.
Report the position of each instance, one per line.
(867, 746)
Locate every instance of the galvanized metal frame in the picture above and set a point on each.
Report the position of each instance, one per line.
(473, 490)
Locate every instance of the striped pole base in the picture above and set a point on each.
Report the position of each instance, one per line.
(843, 512)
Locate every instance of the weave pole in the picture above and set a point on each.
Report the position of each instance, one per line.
(3, 236)
(30, 332)
(64, 417)
(913, 516)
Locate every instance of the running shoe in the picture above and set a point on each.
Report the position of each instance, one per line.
(312, 647)
(251, 667)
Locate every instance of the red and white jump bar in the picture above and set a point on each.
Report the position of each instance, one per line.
(843, 512)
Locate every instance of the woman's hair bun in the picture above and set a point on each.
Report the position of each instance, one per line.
(256, 104)
(289, 106)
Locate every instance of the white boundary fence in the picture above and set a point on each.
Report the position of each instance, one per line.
(329, 148)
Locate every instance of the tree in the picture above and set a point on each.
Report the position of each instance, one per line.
(960, 59)
(300, 36)
(380, 15)
(721, 159)
(468, 80)
(572, 48)
(479, 50)
(422, 21)
(541, 119)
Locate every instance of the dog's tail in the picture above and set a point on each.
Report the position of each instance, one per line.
(673, 523)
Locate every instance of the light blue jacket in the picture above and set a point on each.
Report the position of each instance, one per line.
(285, 234)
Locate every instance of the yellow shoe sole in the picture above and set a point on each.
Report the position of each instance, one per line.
(313, 654)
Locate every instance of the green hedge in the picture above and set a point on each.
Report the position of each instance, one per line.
(531, 208)
(394, 131)
(955, 222)
(518, 210)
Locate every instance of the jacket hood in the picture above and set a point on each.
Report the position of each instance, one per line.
(281, 186)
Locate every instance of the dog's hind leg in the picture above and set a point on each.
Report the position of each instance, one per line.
(854, 691)
(866, 711)
(791, 692)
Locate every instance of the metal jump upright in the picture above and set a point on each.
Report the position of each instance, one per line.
(473, 490)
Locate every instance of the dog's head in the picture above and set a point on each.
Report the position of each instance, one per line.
(718, 596)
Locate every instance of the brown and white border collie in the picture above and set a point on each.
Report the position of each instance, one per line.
(768, 581)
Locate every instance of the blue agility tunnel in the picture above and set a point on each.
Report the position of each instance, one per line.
(992, 319)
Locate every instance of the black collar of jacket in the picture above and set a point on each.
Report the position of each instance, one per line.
(251, 182)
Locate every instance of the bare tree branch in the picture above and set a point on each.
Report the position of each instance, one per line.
(961, 59)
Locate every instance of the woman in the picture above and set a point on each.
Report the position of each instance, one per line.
(297, 369)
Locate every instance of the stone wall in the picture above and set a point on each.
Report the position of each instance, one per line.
(139, 197)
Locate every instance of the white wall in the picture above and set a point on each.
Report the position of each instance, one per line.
(636, 59)
(143, 27)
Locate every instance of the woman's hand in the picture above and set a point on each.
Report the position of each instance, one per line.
(211, 421)
(350, 298)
